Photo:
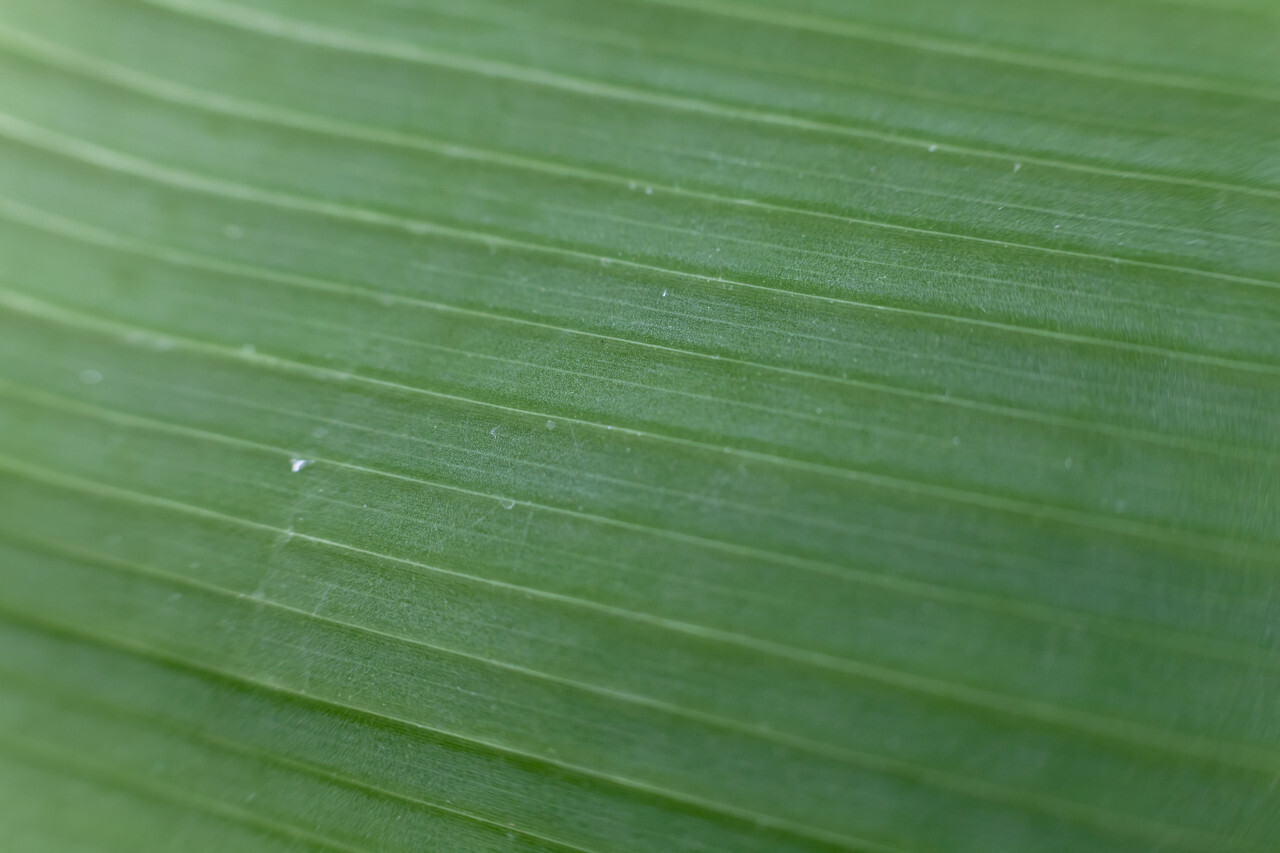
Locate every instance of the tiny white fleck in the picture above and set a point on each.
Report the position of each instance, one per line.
(296, 464)
(1017, 167)
(507, 503)
(232, 232)
(90, 377)
(648, 190)
(248, 349)
(933, 148)
(664, 293)
(551, 424)
(1066, 463)
(632, 184)
(494, 432)
(818, 410)
(955, 439)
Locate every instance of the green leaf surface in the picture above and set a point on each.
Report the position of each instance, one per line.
(640, 425)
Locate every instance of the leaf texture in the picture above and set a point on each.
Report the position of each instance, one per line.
(639, 425)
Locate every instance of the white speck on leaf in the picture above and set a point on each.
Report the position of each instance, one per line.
(494, 432)
(90, 377)
(664, 293)
(296, 464)
(507, 503)
(933, 148)
(648, 190)
(232, 232)
(551, 424)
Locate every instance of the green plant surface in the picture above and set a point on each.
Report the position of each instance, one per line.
(640, 425)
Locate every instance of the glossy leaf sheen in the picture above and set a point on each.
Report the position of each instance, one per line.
(711, 425)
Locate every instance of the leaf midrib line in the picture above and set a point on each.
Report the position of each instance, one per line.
(168, 91)
(1123, 731)
(56, 224)
(169, 793)
(16, 301)
(199, 735)
(604, 36)
(956, 783)
(266, 24)
(151, 652)
(164, 89)
(93, 235)
(20, 131)
(751, 11)
(1138, 632)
